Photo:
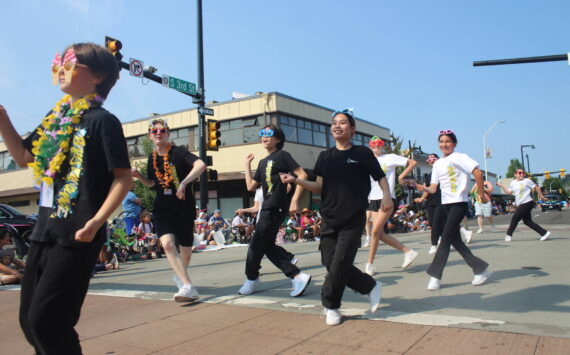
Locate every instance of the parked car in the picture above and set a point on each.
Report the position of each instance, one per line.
(23, 225)
(553, 203)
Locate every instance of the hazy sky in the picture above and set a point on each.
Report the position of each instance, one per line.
(406, 65)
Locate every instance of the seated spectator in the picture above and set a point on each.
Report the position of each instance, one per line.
(293, 226)
(241, 227)
(11, 268)
(147, 234)
(201, 223)
(308, 223)
(213, 237)
(220, 223)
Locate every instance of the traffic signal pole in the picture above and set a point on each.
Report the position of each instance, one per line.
(545, 58)
(201, 101)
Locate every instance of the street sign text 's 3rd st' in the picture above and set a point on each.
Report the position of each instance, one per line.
(179, 84)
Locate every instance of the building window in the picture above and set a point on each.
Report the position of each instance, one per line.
(135, 147)
(180, 137)
(19, 203)
(361, 139)
(240, 131)
(303, 131)
(6, 162)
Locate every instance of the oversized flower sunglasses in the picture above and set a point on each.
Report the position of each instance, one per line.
(376, 142)
(159, 130)
(446, 131)
(266, 132)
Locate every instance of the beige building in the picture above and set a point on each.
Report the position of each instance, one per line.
(306, 126)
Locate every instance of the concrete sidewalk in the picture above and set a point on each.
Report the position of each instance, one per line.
(119, 325)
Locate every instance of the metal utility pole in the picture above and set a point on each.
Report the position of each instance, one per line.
(201, 100)
(522, 154)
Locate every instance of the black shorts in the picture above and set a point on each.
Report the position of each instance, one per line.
(374, 205)
(182, 228)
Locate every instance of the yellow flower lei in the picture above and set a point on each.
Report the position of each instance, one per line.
(52, 144)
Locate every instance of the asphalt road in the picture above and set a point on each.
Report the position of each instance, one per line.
(529, 291)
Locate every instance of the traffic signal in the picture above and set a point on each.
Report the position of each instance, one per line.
(562, 173)
(547, 175)
(213, 140)
(114, 46)
(212, 175)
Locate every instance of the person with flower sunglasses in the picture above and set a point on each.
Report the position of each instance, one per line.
(170, 171)
(522, 187)
(389, 163)
(451, 173)
(343, 180)
(278, 201)
(80, 164)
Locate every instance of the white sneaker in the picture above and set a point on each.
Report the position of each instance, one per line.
(366, 242)
(433, 284)
(249, 287)
(545, 237)
(369, 269)
(332, 316)
(294, 260)
(374, 297)
(178, 282)
(187, 293)
(409, 258)
(508, 238)
(468, 236)
(115, 262)
(479, 231)
(481, 278)
(432, 250)
(300, 284)
(464, 233)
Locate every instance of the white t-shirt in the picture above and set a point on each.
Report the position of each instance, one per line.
(388, 163)
(237, 221)
(452, 174)
(522, 189)
(258, 197)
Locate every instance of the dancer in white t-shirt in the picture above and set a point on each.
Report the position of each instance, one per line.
(452, 173)
(388, 163)
(522, 187)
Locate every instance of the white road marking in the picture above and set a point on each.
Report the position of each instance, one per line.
(298, 305)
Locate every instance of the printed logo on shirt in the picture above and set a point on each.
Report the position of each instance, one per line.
(268, 177)
(521, 190)
(452, 177)
(351, 161)
(384, 167)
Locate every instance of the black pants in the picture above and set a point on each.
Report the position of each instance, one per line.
(263, 243)
(53, 290)
(524, 212)
(454, 213)
(436, 220)
(338, 249)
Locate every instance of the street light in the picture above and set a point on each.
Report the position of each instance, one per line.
(485, 145)
(522, 155)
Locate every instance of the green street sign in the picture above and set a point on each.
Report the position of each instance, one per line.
(179, 84)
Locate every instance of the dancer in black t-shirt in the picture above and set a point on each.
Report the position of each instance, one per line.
(174, 206)
(80, 162)
(276, 205)
(343, 179)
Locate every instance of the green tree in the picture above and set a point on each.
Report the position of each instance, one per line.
(555, 185)
(144, 193)
(513, 165)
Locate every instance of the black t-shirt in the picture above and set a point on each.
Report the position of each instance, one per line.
(267, 174)
(96, 148)
(435, 199)
(168, 205)
(346, 183)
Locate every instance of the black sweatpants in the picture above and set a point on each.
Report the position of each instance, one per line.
(524, 212)
(454, 213)
(338, 249)
(436, 220)
(263, 243)
(53, 289)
